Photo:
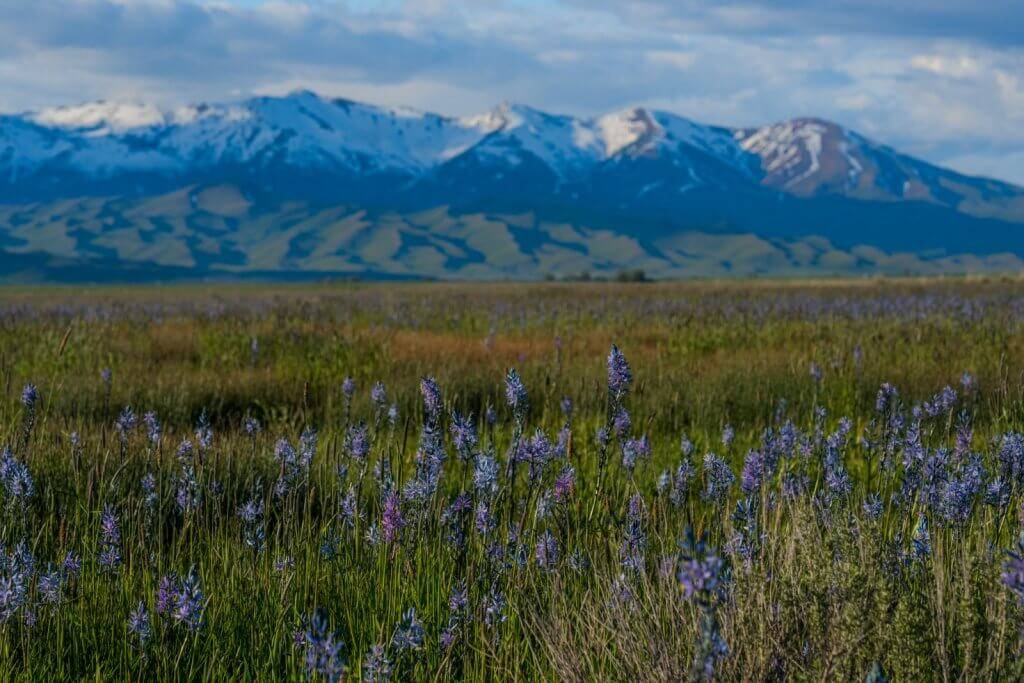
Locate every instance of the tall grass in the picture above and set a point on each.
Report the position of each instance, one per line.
(818, 579)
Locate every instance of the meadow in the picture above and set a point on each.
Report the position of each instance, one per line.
(736, 480)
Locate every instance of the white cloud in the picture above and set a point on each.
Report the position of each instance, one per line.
(936, 78)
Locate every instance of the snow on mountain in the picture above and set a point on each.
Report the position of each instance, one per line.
(102, 141)
(101, 118)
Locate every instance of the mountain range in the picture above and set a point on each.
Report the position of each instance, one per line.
(303, 186)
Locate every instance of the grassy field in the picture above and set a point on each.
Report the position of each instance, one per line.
(204, 483)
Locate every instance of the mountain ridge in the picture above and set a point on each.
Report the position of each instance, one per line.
(650, 177)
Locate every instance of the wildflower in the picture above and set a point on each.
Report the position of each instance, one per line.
(494, 606)
(459, 599)
(700, 576)
(619, 375)
(409, 634)
(566, 407)
(711, 648)
(1013, 570)
(348, 389)
(634, 544)
(110, 541)
(922, 539)
(153, 428)
(873, 506)
(324, 649)
(753, 472)
(392, 520)
(376, 666)
(308, 445)
(357, 442)
(565, 484)
(515, 395)
(30, 397)
(728, 435)
(546, 551)
(204, 433)
(621, 423)
(681, 482)
(149, 495)
(485, 474)
(125, 422)
(379, 395)
(165, 593)
(251, 515)
(16, 479)
(187, 608)
(251, 426)
(432, 403)
(633, 450)
(50, 586)
(719, 478)
(139, 625)
(463, 435)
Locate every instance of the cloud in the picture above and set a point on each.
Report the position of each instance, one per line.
(936, 78)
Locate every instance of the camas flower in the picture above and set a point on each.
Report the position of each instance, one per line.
(324, 650)
(139, 624)
(719, 478)
(432, 403)
(515, 394)
(357, 442)
(546, 551)
(619, 375)
(376, 666)
(30, 396)
(392, 521)
(409, 634)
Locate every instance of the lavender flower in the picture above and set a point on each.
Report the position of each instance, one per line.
(30, 397)
(700, 577)
(376, 666)
(463, 435)
(153, 428)
(719, 478)
(546, 551)
(348, 389)
(515, 395)
(409, 634)
(16, 479)
(324, 649)
(251, 426)
(634, 450)
(379, 395)
(392, 520)
(619, 375)
(432, 403)
(125, 422)
(139, 624)
(187, 608)
(357, 442)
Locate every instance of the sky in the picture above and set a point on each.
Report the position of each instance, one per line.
(939, 79)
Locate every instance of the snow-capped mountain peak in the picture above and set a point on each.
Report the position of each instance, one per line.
(635, 130)
(101, 117)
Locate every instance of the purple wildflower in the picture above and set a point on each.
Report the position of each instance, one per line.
(432, 402)
(619, 375)
(391, 519)
(515, 395)
(324, 649)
